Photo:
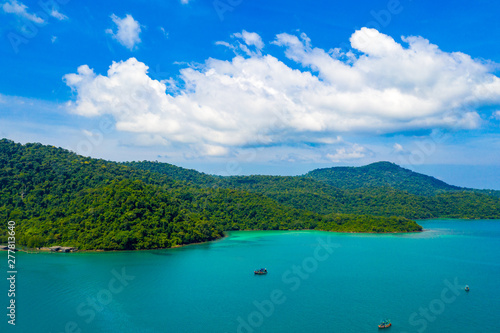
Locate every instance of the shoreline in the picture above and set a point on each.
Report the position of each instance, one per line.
(225, 235)
(37, 251)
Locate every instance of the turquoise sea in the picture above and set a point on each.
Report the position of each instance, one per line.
(317, 282)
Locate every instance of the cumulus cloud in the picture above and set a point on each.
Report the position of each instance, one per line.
(348, 153)
(248, 43)
(250, 39)
(18, 8)
(380, 86)
(128, 31)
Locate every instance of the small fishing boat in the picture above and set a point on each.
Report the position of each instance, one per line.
(261, 271)
(467, 288)
(385, 323)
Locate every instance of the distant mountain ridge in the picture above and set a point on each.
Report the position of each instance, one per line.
(382, 174)
(381, 189)
(376, 175)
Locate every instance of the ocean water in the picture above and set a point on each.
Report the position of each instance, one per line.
(317, 282)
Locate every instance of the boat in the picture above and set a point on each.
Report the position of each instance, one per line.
(261, 271)
(385, 323)
(467, 288)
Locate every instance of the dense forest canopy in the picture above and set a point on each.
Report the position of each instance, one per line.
(381, 189)
(58, 197)
(381, 174)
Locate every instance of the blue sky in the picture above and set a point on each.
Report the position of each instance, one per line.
(245, 87)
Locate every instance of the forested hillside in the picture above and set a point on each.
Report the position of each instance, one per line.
(381, 174)
(381, 189)
(58, 197)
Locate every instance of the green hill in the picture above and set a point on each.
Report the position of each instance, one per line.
(381, 189)
(58, 197)
(381, 174)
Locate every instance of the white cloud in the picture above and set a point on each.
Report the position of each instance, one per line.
(249, 42)
(21, 10)
(330, 140)
(398, 148)
(184, 2)
(250, 39)
(58, 15)
(348, 153)
(128, 31)
(164, 32)
(257, 99)
(53, 39)
(496, 115)
(226, 44)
